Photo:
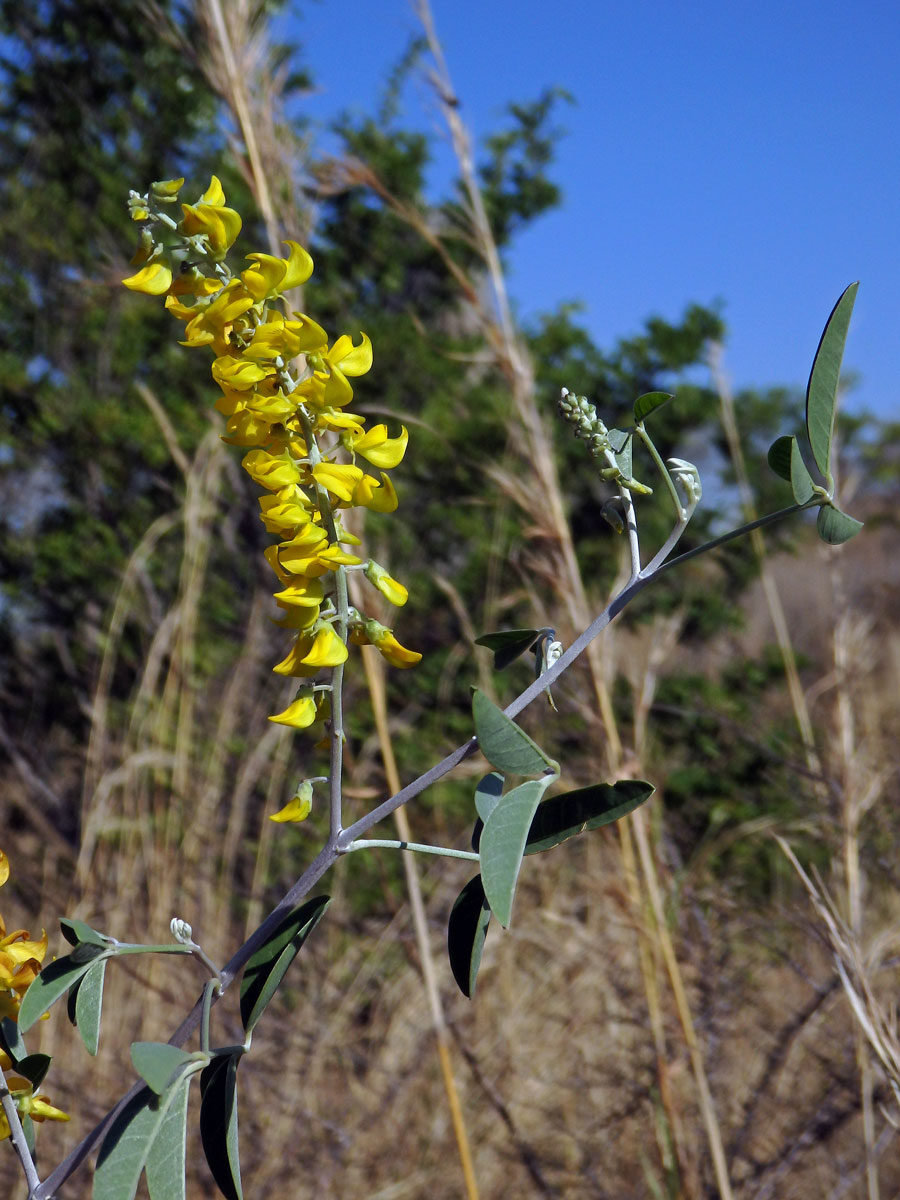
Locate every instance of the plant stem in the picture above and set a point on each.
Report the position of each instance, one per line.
(208, 989)
(661, 467)
(17, 1136)
(418, 847)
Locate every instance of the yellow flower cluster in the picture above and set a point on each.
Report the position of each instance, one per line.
(285, 395)
(20, 963)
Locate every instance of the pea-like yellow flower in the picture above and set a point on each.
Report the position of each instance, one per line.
(393, 592)
(155, 279)
(372, 632)
(311, 652)
(272, 471)
(298, 807)
(375, 445)
(300, 714)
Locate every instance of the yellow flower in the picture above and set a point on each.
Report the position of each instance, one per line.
(238, 373)
(392, 591)
(271, 471)
(210, 217)
(270, 276)
(155, 279)
(37, 1107)
(380, 497)
(298, 807)
(310, 653)
(376, 446)
(341, 479)
(299, 715)
(372, 632)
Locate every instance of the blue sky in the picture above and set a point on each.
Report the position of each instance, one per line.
(747, 153)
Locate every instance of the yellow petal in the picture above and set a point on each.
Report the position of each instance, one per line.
(214, 194)
(154, 280)
(4, 868)
(299, 715)
(299, 267)
(377, 447)
(297, 809)
(352, 360)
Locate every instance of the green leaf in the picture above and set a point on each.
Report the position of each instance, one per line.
(77, 931)
(571, 813)
(11, 1039)
(89, 1005)
(835, 527)
(648, 403)
(28, 1130)
(821, 392)
(503, 844)
(801, 480)
(129, 1141)
(158, 1063)
(466, 931)
(488, 793)
(618, 440)
(34, 1067)
(508, 644)
(165, 1162)
(54, 981)
(487, 797)
(779, 456)
(624, 459)
(219, 1124)
(266, 969)
(503, 743)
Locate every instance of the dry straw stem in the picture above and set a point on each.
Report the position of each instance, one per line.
(855, 973)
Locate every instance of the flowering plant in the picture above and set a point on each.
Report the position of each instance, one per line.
(286, 396)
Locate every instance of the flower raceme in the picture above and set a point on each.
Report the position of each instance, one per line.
(285, 397)
(20, 962)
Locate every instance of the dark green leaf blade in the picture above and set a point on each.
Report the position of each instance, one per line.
(821, 391)
(54, 981)
(89, 1005)
(648, 403)
(508, 644)
(503, 844)
(166, 1159)
(779, 456)
(503, 743)
(75, 931)
(466, 931)
(219, 1124)
(11, 1039)
(564, 816)
(266, 969)
(836, 527)
(34, 1067)
(158, 1063)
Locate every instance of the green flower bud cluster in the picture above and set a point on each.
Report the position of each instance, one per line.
(587, 426)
